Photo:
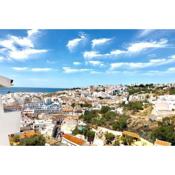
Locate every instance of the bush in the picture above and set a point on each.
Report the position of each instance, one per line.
(134, 106)
(37, 140)
(76, 131)
(89, 115)
(16, 138)
(90, 136)
(116, 143)
(126, 140)
(121, 123)
(109, 138)
(109, 115)
(165, 131)
(172, 91)
(105, 109)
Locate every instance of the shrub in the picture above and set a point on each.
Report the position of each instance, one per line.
(105, 109)
(109, 138)
(37, 140)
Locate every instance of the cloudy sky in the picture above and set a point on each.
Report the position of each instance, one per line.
(71, 58)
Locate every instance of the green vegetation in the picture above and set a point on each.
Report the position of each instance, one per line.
(109, 138)
(105, 109)
(121, 123)
(110, 115)
(165, 131)
(126, 140)
(134, 106)
(105, 118)
(138, 89)
(150, 88)
(116, 143)
(37, 140)
(16, 138)
(76, 131)
(86, 131)
(90, 116)
(172, 91)
(87, 105)
(90, 136)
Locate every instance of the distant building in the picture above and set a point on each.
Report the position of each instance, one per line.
(42, 107)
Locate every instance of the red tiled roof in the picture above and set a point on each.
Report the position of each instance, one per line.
(74, 139)
(27, 134)
(162, 143)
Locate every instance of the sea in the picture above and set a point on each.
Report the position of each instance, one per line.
(4, 90)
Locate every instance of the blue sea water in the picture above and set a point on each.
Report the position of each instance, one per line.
(28, 89)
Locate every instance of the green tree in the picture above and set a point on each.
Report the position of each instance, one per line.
(109, 138)
(16, 138)
(90, 136)
(110, 115)
(165, 131)
(37, 140)
(75, 131)
(172, 91)
(126, 140)
(121, 124)
(134, 106)
(116, 143)
(105, 109)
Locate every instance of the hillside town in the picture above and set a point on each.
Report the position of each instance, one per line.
(116, 115)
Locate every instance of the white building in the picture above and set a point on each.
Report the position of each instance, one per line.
(42, 107)
(10, 121)
(44, 126)
(68, 125)
(164, 106)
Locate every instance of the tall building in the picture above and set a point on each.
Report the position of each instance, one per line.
(9, 121)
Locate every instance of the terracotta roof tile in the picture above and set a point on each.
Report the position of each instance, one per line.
(27, 134)
(162, 143)
(74, 139)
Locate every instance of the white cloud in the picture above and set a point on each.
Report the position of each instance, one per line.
(96, 63)
(20, 48)
(76, 63)
(133, 48)
(32, 32)
(24, 42)
(24, 54)
(20, 68)
(36, 69)
(140, 46)
(72, 44)
(41, 69)
(73, 70)
(1, 58)
(171, 69)
(100, 41)
(95, 72)
(140, 65)
(145, 32)
(91, 54)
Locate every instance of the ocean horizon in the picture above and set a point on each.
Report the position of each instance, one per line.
(4, 90)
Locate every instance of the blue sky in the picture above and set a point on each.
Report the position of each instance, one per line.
(72, 58)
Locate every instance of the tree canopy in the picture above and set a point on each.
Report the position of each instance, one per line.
(165, 131)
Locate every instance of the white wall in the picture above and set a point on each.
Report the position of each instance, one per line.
(9, 124)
